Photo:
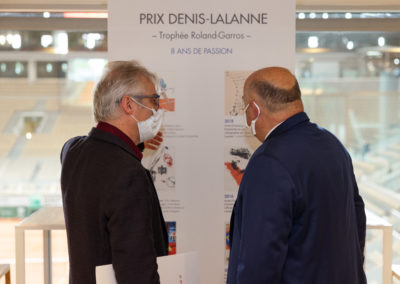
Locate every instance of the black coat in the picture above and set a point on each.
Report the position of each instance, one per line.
(112, 212)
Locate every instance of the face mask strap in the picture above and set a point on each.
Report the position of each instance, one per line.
(134, 117)
(258, 110)
(245, 109)
(142, 105)
(253, 122)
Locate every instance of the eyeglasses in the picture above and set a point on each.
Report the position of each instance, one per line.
(155, 98)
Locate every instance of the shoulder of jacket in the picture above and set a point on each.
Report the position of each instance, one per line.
(70, 144)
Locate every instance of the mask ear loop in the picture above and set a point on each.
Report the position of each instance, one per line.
(253, 122)
(142, 105)
(131, 115)
(134, 118)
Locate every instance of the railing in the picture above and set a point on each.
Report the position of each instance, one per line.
(377, 223)
(52, 218)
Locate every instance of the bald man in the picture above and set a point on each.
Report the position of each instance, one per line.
(298, 217)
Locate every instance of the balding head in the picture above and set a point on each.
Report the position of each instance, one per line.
(277, 88)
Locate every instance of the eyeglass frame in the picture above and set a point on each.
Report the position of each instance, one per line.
(156, 102)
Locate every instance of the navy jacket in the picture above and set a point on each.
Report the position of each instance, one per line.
(298, 217)
(112, 212)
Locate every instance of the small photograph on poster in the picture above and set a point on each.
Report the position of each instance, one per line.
(236, 159)
(227, 248)
(161, 165)
(171, 229)
(234, 82)
(166, 90)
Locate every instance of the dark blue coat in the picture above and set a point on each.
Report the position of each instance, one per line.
(298, 217)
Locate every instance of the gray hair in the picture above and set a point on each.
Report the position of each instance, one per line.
(120, 78)
(274, 98)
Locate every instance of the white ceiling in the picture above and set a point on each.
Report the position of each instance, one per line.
(101, 5)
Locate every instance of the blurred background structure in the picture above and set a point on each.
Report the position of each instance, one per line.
(347, 63)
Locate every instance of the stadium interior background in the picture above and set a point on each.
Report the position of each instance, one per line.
(347, 63)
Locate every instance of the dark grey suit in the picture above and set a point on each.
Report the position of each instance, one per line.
(112, 212)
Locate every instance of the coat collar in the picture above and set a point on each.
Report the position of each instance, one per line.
(112, 139)
(121, 135)
(289, 123)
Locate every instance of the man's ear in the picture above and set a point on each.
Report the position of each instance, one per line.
(127, 105)
(254, 110)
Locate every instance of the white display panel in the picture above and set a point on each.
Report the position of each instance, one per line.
(202, 51)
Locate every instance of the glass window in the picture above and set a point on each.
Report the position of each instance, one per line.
(53, 41)
(13, 69)
(51, 69)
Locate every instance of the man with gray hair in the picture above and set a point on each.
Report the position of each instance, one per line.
(112, 212)
(298, 217)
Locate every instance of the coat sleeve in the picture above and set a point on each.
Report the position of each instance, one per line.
(360, 215)
(266, 221)
(129, 213)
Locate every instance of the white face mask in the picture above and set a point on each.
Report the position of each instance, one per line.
(149, 127)
(253, 122)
